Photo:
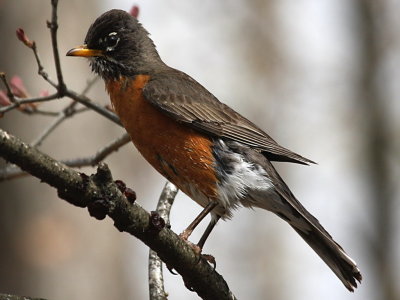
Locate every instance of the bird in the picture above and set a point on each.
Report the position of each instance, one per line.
(213, 154)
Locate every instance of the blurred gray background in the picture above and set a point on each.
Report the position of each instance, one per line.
(320, 76)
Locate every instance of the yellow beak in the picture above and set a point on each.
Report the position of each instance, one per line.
(83, 51)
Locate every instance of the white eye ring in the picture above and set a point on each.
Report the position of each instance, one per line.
(112, 36)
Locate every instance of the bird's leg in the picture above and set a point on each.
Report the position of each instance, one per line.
(188, 231)
(200, 244)
(207, 232)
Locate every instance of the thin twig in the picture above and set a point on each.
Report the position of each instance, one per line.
(53, 25)
(100, 154)
(81, 110)
(13, 172)
(41, 70)
(89, 85)
(20, 101)
(38, 141)
(61, 87)
(10, 94)
(81, 98)
(35, 111)
(68, 111)
(156, 279)
(92, 105)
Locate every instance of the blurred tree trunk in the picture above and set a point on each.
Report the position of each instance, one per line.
(372, 104)
(260, 48)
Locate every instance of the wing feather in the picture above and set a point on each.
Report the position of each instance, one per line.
(181, 97)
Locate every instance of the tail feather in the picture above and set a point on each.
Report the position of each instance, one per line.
(309, 228)
(278, 199)
(333, 255)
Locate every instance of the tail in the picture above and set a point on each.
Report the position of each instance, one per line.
(333, 255)
(271, 193)
(309, 228)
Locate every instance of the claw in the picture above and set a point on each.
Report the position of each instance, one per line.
(171, 270)
(197, 249)
(210, 259)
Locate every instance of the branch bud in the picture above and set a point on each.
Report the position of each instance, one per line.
(24, 38)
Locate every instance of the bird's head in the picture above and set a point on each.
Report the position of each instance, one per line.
(118, 45)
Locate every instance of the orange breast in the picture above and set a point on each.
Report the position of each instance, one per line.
(178, 152)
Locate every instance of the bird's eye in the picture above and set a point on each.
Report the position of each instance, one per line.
(111, 41)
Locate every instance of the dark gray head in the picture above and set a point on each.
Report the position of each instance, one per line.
(117, 44)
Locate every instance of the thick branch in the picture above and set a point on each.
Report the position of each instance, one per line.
(15, 297)
(102, 197)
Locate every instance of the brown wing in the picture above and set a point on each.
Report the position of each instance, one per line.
(184, 99)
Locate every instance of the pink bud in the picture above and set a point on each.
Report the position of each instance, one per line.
(18, 87)
(44, 93)
(134, 11)
(24, 38)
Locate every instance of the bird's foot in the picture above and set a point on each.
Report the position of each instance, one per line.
(197, 249)
(210, 259)
(184, 236)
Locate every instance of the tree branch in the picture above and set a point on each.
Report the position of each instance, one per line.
(92, 105)
(15, 297)
(10, 94)
(156, 280)
(62, 115)
(19, 101)
(61, 87)
(103, 197)
(13, 171)
(53, 25)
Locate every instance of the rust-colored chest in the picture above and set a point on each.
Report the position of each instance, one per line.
(181, 154)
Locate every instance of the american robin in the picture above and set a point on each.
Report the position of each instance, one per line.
(213, 154)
